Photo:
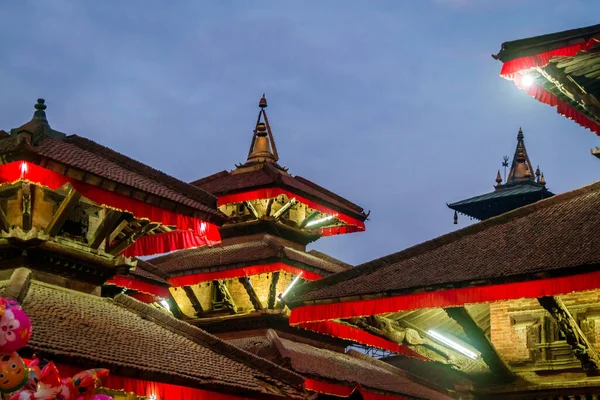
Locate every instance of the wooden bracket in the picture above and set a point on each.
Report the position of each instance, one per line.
(582, 348)
(27, 206)
(273, 289)
(245, 281)
(104, 229)
(227, 299)
(175, 307)
(64, 211)
(189, 292)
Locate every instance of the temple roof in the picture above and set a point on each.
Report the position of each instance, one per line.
(86, 158)
(556, 235)
(343, 368)
(131, 337)
(559, 69)
(523, 186)
(224, 257)
(261, 170)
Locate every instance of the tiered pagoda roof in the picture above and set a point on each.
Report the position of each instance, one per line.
(559, 69)
(341, 373)
(523, 186)
(262, 178)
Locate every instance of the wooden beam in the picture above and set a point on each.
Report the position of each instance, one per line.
(478, 339)
(119, 228)
(4, 224)
(582, 348)
(273, 290)
(227, 299)
(245, 281)
(269, 206)
(189, 292)
(175, 307)
(27, 206)
(571, 89)
(63, 212)
(121, 245)
(283, 209)
(104, 229)
(253, 211)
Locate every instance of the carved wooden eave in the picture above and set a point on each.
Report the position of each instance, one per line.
(582, 348)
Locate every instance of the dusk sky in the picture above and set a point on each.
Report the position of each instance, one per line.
(395, 105)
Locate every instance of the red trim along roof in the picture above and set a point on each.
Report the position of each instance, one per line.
(446, 298)
(202, 232)
(193, 279)
(140, 286)
(513, 70)
(355, 225)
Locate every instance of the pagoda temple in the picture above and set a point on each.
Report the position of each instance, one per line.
(73, 214)
(237, 289)
(559, 69)
(523, 186)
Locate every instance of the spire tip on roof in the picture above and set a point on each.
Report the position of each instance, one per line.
(40, 113)
(263, 102)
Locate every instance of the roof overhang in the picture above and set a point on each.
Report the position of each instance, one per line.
(561, 70)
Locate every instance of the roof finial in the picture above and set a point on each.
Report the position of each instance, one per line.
(39, 113)
(455, 217)
(498, 179)
(543, 180)
(263, 102)
(520, 134)
(537, 173)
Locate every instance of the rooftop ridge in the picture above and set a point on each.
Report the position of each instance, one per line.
(413, 251)
(205, 339)
(187, 189)
(209, 178)
(339, 198)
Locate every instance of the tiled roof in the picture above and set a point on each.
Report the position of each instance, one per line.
(559, 233)
(230, 256)
(508, 192)
(149, 272)
(269, 176)
(89, 156)
(346, 368)
(330, 259)
(123, 332)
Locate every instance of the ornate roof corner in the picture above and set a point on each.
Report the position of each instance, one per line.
(18, 285)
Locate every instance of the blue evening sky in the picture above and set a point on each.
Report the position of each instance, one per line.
(395, 105)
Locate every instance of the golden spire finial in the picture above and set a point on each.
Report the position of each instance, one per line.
(543, 180)
(262, 148)
(498, 178)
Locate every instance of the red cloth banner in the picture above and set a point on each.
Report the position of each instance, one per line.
(329, 388)
(336, 329)
(160, 391)
(202, 232)
(193, 279)
(270, 193)
(446, 298)
(140, 286)
(511, 67)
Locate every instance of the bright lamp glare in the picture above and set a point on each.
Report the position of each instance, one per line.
(152, 397)
(318, 221)
(165, 304)
(527, 80)
(453, 344)
(291, 285)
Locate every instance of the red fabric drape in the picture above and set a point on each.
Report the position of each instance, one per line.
(202, 232)
(335, 329)
(563, 108)
(446, 298)
(140, 286)
(268, 193)
(145, 297)
(334, 389)
(328, 388)
(162, 391)
(511, 67)
(193, 279)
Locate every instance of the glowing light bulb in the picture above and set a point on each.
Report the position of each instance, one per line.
(453, 344)
(291, 285)
(165, 304)
(527, 81)
(24, 168)
(152, 397)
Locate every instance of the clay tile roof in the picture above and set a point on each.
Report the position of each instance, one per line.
(122, 332)
(558, 234)
(332, 260)
(269, 176)
(345, 368)
(223, 257)
(149, 272)
(89, 156)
